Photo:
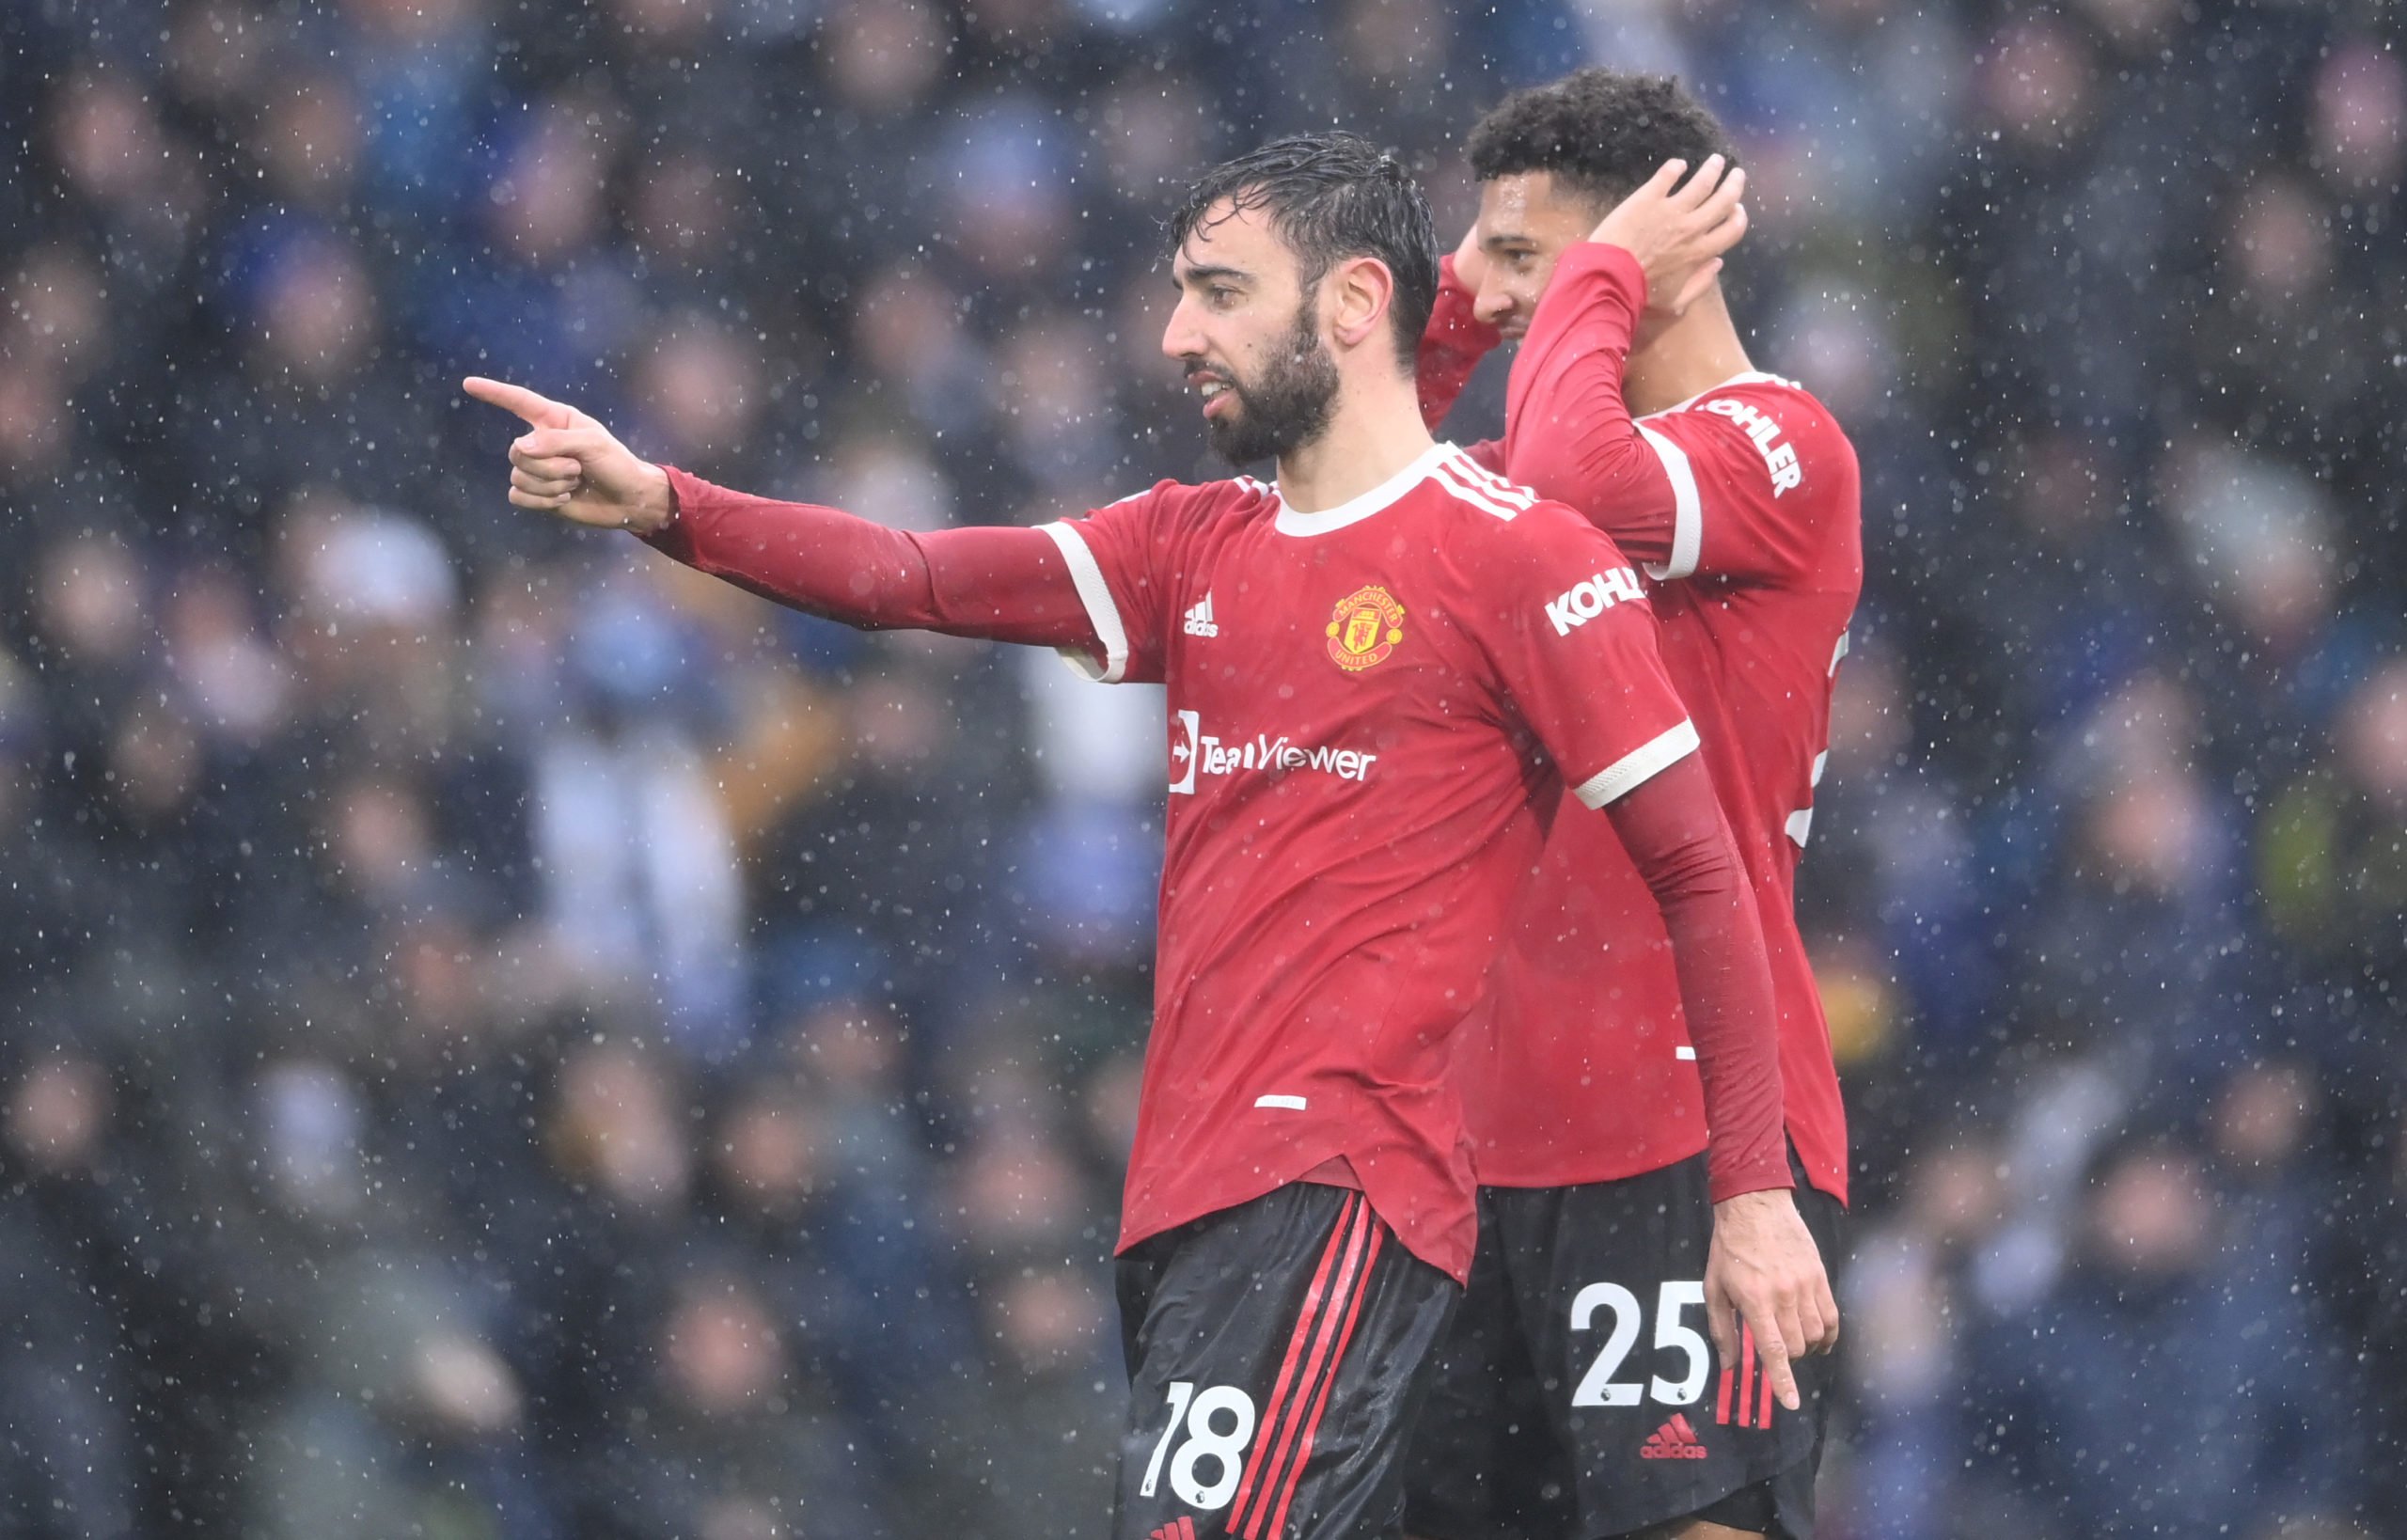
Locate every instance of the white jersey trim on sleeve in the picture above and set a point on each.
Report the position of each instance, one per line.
(1637, 767)
(1687, 508)
(1096, 594)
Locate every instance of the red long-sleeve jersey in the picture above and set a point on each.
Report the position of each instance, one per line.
(1375, 712)
(1742, 508)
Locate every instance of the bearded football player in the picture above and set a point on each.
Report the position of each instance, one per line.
(1367, 739)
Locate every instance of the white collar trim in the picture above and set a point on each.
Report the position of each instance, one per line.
(1292, 521)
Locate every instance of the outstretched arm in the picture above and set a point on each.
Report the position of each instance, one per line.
(998, 582)
(1003, 584)
(1763, 1267)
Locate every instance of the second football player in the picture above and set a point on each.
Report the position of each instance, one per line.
(1573, 1398)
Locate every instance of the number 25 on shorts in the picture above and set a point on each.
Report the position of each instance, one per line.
(1224, 1447)
(1598, 1387)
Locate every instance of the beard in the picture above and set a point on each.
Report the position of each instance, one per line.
(1288, 406)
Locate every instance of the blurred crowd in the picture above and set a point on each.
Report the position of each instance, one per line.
(502, 1038)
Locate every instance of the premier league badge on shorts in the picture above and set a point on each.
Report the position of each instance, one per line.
(1364, 629)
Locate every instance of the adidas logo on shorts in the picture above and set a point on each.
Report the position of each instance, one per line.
(1673, 1441)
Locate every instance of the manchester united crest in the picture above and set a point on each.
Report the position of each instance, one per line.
(1364, 629)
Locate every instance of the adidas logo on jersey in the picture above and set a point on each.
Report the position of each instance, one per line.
(1673, 1441)
(1583, 602)
(1200, 621)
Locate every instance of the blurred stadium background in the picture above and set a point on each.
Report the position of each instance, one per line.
(501, 1039)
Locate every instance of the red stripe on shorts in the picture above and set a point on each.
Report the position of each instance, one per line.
(1746, 1374)
(1276, 1443)
(1307, 1319)
(1320, 1403)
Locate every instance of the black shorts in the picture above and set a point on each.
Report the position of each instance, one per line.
(1278, 1352)
(1578, 1393)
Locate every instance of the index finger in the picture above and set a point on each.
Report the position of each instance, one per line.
(542, 411)
(1772, 1350)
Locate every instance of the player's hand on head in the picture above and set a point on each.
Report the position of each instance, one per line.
(1678, 225)
(1764, 1270)
(569, 465)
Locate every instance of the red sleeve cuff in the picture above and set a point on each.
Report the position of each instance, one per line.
(1754, 1176)
(687, 493)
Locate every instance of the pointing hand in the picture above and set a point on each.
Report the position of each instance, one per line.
(569, 465)
(1763, 1272)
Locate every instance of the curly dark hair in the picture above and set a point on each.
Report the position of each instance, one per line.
(1599, 132)
(1330, 196)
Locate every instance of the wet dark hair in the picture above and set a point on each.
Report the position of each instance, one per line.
(1330, 196)
(1599, 132)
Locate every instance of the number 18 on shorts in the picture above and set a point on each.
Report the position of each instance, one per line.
(1277, 1352)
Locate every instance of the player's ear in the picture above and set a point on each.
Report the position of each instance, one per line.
(1360, 290)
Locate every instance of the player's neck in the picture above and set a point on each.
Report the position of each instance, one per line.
(1686, 358)
(1376, 431)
